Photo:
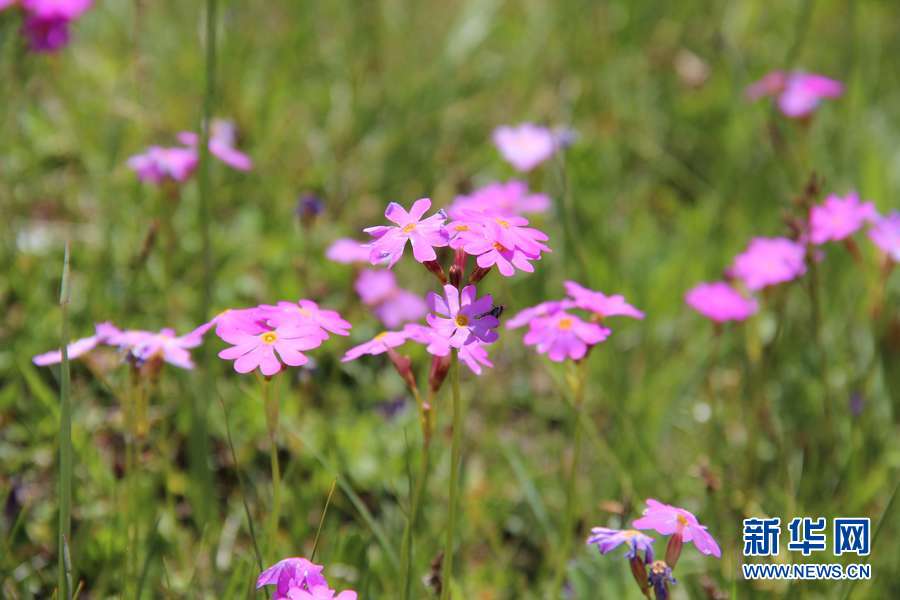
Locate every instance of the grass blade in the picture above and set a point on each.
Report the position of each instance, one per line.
(65, 442)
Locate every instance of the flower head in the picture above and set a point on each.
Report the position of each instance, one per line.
(669, 520)
(607, 540)
(460, 317)
(46, 34)
(66, 9)
(562, 335)
(381, 343)
(527, 145)
(799, 94)
(510, 198)
(222, 140)
(838, 218)
(347, 251)
(504, 241)
(720, 302)
(159, 164)
(600, 304)
(319, 592)
(769, 261)
(885, 233)
(260, 343)
(167, 346)
(306, 313)
(423, 234)
(292, 573)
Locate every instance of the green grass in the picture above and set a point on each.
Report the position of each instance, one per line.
(363, 103)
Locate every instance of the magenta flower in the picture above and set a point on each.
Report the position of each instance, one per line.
(381, 343)
(306, 313)
(510, 198)
(475, 356)
(77, 348)
(435, 343)
(267, 350)
(460, 317)
(392, 305)
(598, 303)
(668, 520)
(885, 233)
(562, 335)
(720, 302)
(527, 315)
(222, 140)
(319, 592)
(374, 287)
(526, 146)
(798, 93)
(46, 34)
(167, 346)
(159, 164)
(769, 261)
(347, 251)
(292, 573)
(504, 241)
(423, 234)
(838, 218)
(66, 9)
(607, 540)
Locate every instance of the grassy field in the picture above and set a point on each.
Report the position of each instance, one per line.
(792, 413)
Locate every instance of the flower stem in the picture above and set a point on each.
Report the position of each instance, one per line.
(65, 442)
(418, 493)
(271, 404)
(455, 455)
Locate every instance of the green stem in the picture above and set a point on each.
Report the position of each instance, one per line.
(418, 493)
(455, 456)
(65, 440)
(271, 404)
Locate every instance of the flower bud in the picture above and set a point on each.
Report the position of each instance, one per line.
(403, 364)
(639, 571)
(436, 268)
(440, 366)
(478, 274)
(673, 550)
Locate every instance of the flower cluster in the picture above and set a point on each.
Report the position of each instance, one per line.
(680, 524)
(798, 94)
(560, 334)
(300, 579)
(47, 22)
(176, 164)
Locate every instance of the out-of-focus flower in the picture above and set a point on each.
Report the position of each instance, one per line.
(393, 305)
(4, 4)
(668, 520)
(423, 234)
(527, 315)
(319, 592)
(606, 540)
(268, 349)
(600, 304)
(309, 207)
(46, 34)
(308, 312)
(76, 348)
(167, 346)
(159, 164)
(374, 287)
(345, 250)
(462, 318)
(769, 261)
(885, 233)
(291, 573)
(222, 140)
(562, 335)
(660, 577)
(504, 241)
(838, 218)
(798, 94)
(527, 145)
(67, 9)
(720, 302)
(510, 198)
(379, 344)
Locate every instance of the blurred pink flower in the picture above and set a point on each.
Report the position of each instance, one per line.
(798, 93)
(222, 140)
(720, 302)
(423, 234)
(885, 233)
(4, 4)
(562, 335)
(379, 344)
(838, 218)
(769, 261)
(374, 286)
(166, 345)
(600, 304)
(667, 520)
(47, 22)
(345, 250)
(76, 348)
(270, 348)
(460, 317)
(393, 305)
(66, 9)
(510, 198)
(291, 573)
(159, 164)
(527, 315)
(319, 592)
(606, 540)
(525, 146)
(306, 312)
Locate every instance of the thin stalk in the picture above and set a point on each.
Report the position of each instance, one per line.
(271, 404)
(312, 555)
(418, 493)
(455, 456)
(65, 442)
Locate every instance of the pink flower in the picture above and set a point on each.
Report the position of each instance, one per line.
(474, 356)
(598, 303)
(374, 287)
(435, 343)
(504, 241)
(379, 344)
(46, 34)
(525, 146)
(885, 233)
(424, 234)
(460, 317)
(345, 250)
(798, 93)
(319, 592)
(769, 261)
(838, 218)
(510, 198)
(222, 140)
(606, 540)
(670, 519)
(720, 302)
(562, 335)
(527, 315)
(306, 313)
(268, 349)
(166, 345)
(65, 9)
(158, 164)
(393, 305)
(78, 347)
(291, 573)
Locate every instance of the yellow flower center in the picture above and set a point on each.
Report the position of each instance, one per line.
(409, 227)
(381, 335)
(499, 247)
(269, 337)
(565, 324)
(462, 320)
(682, 520)
(461, 228)
(502, 223)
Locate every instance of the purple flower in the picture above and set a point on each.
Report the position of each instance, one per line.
(166, 345)
(307, 312)
(720, 302)
(769, 261)
(46, 34)
(379, 344)
(423, 234)
(562, 335)
(401, 307)
(798, 93)
(475, 356)
(319, 592)
(78, 347)
(527, 145)
(267, 350)
(222, 140)
(291, 573)
(345, 250)
(885, 233)
(374, 287)
(159, 164)
(66, 9)
(460, 317)
(510, 198)
(660, 577)
(668, 520)
(598, 303)
(527, 315)
(838, 218)
(607, 540)
(504, 241)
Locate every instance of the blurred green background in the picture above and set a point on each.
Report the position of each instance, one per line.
(366, 102)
